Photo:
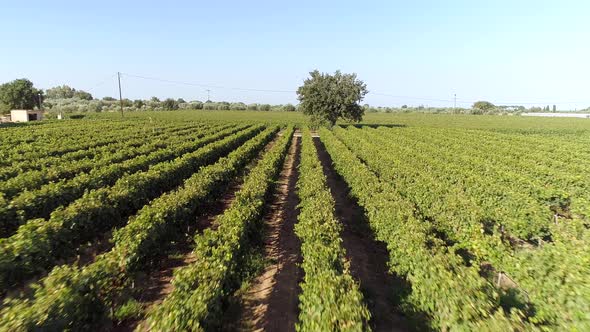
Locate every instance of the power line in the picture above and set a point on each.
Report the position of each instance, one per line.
(106, 80)
(454, 100)
(205, 85)
(409, 97)
(120, 94)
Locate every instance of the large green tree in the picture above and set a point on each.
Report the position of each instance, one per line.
(327, 98)
(483, 105)
(19, 94)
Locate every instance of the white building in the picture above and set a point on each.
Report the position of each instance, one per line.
(559, 115)
(25, 115)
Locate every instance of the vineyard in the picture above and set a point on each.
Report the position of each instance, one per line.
(239, 221)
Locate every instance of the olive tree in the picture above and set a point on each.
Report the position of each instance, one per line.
(238, 106)
(60, 92)
(170, 104)
(289, 108)
(209, 105)
(138, 103)
(64, 91)
(327, 98)
(196, 105)
(80, 94)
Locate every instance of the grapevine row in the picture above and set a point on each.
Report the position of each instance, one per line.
(40, 243)
(80, 299)
(30, 174)
(330, 300)
(41, 202)
(437, 198)
(451, 293)
(195, 302)
(59, 145)
(549, 176)
(457, 214)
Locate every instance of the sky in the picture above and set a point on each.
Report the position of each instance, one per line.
(407, 52)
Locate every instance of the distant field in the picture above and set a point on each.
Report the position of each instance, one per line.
(493, 122)
(241, 220)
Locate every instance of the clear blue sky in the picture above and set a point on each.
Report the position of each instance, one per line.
(502, 51)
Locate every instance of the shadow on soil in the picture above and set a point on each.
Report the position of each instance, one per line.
(283, 303)
(268, 300)
(385, 293)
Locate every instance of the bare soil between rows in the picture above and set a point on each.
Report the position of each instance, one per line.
(157, 285)
(368, 257)
(271, 302)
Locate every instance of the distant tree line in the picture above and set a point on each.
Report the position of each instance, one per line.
(21, 94)
(81, 101)
(107, 104)
(477, 108)
(65, 92)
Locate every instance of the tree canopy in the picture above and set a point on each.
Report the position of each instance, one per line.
(289, 108)
(327, 98)
(83, 95)
(170, 104)
(19, 94)
(65, 92)
(483, 105)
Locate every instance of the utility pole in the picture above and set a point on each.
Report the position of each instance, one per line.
(208, 99)
(120, 95)
(455, 101)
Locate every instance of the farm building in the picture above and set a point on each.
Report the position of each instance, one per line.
(25, 115)
(560, 115)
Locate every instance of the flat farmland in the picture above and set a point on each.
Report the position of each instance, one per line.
(242, 220)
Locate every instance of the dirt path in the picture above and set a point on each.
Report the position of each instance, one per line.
(271, 302)
(158, 284)
(368, 257)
